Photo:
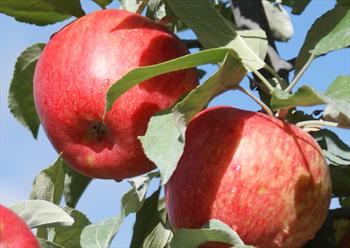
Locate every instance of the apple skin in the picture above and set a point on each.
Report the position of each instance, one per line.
(72, 77)
(265, 178)
(14, 232)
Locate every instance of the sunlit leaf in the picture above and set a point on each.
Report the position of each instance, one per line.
(39, 213)
(101, 234)
(279, 21)
(158, 238)
(163, 144)
(49, 184)
(338, 95)
(215, 230)
(132, 5)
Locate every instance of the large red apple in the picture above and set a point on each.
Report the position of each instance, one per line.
(265, 178)
(72, 77)
(14, 233)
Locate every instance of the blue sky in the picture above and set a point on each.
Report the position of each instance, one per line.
(22, 157)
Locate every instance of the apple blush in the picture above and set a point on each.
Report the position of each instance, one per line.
(265, 178)
(73, 74)
(14, 232)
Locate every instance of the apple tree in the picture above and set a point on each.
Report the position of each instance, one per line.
(147, 120)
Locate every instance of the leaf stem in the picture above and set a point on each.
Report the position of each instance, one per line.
(319, 123)
(274, 73)
(142, 6)
(257, 100)
(263, 80)
(300, 73)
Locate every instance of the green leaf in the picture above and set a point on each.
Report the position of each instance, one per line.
(340, 180)
(279, 21)
(39, 213)
(49, 184)
(338, 97)
(305, 96)
(143, 73)
(74, 185)
(158, 238)
(344, 202)
(48, 244)
(133, 200)
(70, 236)
(21, 100)
(146, 220)
(163, 144)
(215, 230)
(251, 47)
(211, 28)
(71, 7)
(320, 28)
(163, 141)
(41, 12)
(297, 6)
(337, 154)
(229, 75)
(103, 3)
(338, 38)
(324, 237)
(101, 234)
(336, 151)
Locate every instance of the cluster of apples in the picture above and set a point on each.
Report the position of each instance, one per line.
(265, 178)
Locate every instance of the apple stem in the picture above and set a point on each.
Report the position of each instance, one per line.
(300, 73)
(257, 100)
(263, 80)
(318, 124)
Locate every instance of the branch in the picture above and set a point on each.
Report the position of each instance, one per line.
(192, 43)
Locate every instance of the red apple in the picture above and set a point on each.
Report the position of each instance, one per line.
(14, 233)
(72, 77)
(265, 178)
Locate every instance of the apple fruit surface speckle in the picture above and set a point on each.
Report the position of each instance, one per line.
(14, 232)
(265, 178)
(73, 74)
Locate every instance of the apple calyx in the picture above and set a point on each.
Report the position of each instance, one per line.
(98, 131)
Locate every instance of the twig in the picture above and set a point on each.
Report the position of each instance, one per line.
(319, 123)
(300, 73)
(257, 100)
(263, 80)
(192, 43)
